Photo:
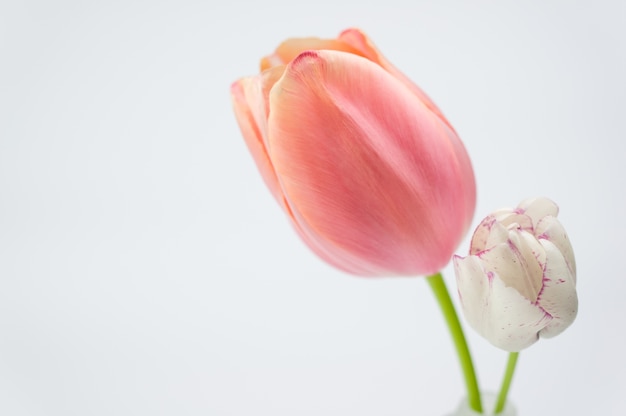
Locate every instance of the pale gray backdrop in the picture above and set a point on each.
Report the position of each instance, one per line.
(145, 269)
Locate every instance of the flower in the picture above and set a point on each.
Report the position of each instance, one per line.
(519, 281)
(373, 177)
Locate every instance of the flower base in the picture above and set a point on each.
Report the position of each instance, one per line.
(489, 402)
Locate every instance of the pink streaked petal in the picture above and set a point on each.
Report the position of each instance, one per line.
(351, 169)
(481, 235)
(494, 229)
(516, 220)
(550, 228)
(514, 261)
(488, 233)
(512, 322)
(530, 247)
(558, 296)
(496, 311)
(537, 208)
(498, 234)
(473, 284)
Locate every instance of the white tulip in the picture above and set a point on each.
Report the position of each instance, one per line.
(519, 281)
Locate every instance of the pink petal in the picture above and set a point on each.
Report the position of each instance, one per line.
(368, 171)
(366, 47)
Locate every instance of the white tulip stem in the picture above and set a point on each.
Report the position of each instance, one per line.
(438, 286)
(506, 382)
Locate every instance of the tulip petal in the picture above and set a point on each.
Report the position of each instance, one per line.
(366, 47)
(537, 208)
(341, 259)
(494, 229)
(483, 232)
(514, 321)
(516, 220)
(473, 285)
(516, 263)
(550, 228)
(496, 311)
(250, 103)
(291, 48)
(359, 158)
(558, 296)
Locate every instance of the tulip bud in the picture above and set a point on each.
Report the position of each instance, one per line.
(519, 281)
(371, 174)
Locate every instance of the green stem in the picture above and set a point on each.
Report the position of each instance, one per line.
(438, 286)
(506, 382)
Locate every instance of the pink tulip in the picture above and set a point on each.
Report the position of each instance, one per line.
(373, 177)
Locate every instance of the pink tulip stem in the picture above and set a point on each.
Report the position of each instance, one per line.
(438, 286)
(506, 382)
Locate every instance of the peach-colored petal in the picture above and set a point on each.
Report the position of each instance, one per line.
(291, 48)
(367, 169)
(251, 106)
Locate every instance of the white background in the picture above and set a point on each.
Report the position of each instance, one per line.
(146, 270)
